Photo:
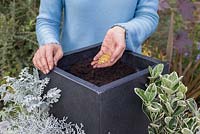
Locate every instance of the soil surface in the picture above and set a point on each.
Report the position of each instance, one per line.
(100, 76)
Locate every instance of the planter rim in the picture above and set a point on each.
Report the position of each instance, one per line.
(105, 87)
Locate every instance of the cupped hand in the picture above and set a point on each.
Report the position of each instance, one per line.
(47, 56)
(112, 48)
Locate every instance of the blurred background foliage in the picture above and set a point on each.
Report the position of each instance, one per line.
(176, 40)
(17, 34)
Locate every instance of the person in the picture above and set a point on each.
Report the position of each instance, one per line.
(66, 25)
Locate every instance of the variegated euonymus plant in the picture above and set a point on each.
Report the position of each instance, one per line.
(25, 107)
(166, 106)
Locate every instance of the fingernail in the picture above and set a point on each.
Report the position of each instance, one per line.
(47, 71)
(50, 67)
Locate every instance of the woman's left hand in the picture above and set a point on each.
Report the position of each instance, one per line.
(113, 45)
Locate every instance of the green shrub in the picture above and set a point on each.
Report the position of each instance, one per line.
(18, 40)
(166, 106)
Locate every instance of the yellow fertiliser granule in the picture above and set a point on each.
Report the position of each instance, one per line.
(104, 58)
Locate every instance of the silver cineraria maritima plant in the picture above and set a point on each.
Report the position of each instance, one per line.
(25, 107)
(166, 106)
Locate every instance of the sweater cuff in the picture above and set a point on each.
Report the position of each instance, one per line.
(48, 41)
(132, 43)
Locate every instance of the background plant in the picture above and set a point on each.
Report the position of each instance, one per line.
(17, 30)
(177, 41)
(25, 107)
(166, 106)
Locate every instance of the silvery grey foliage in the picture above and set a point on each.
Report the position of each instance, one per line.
(166, 106)
(41, 124)
(26, 108)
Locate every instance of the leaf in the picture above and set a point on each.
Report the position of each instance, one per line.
(153, 109)
(157, 70)
(170, 131)
(176, 82)
(141, 94)
(167, 120)
(154, 125)
(147, 112)
(180, 95)
(151, 130)
(173, 76)
(186, 131)
(151, 92)
(190, 122)
(181, 103)
(169, 108)
(52, 95)
(163, 97)
(166, 82)
(182, 88)
(192, 105)
(167, 90)
(173, 123)
(150, 70)
(179, 110)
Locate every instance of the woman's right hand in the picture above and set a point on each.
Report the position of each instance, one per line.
(47, 56)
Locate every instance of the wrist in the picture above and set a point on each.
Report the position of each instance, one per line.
(119, 28)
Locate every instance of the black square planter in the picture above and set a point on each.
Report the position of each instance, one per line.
(113, 107)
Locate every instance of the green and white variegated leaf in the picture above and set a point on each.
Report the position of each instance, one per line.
(147, 112)
(167, 120)
(151, 92)
(182, 88)
(154, 107)
(169, 108)
(141, 94)
(160, 117)
(192, 106)
(179, 110)
(151, 130)
(155, 125)
(169, 131)
(166, 106)
(150, 70)
(157, 70)
(163, 97)
(167, 90)
(186, 120)
(180, 95)
(166, 82)
(181, 103)
(186, 131)
(173, 123)
(173, 76)
(177, 81)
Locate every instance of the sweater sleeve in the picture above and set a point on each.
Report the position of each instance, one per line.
(48, 22)
(142, 25)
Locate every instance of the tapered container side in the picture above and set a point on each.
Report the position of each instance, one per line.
(112, 107)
